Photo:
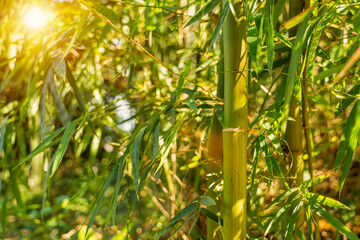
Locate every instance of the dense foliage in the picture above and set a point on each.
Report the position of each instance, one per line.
(106, 109)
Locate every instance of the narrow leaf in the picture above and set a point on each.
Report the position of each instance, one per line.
(296, 53)
(292, 221)
(348, 141)
(207, 201)
(42, 145)
(269, 33)
(334, 222)
(219, 25)
(280, 213)
(205, 9)
(299, 18)
(2, 132)
(313, 181)
(180, 215)
(344, 103)
(313, 197)
(135, 152)
(60, 107)
(63, 146)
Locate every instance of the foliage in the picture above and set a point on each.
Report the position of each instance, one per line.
(106, 108)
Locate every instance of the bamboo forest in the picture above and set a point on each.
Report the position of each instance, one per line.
(180, 119)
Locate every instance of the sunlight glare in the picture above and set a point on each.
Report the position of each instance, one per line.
(35, 18)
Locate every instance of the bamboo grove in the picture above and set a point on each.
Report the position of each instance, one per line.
(179, 119)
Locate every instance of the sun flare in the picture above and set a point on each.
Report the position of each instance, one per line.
(35, 18)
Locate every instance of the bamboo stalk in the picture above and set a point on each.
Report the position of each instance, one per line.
(294, 130)
(215, 151)
(235, 121)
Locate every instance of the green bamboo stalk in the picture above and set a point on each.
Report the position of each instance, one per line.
(214, 154)
(235, 121)
(294, 129)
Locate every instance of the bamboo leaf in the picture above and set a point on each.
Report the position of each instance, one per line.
(296, 53)
(207, 201)
(219, 25)
(180, 215)
(64, 142)
(278, 9)
(135, 152)
(191, 103)
(328, 73)
(211, 215)
(60, 107)
(42, 146)
(271, 161)
(344, 103)
(283, 40)
(2, 132)
(300, 18)
(292, 221)
(314, 44)
(187, 220)
(84, 15)
(272, 137)
(333, 221)
(100, 197)
(184, 73)
(313, 197)
(256, 156)
(308, 221)
(313, 181)
(280, 213)
(269, 33)
(205, 9)
(348, 142)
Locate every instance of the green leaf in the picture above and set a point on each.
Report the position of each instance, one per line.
(219, 25)
(64, 142)
(256, 156)
(314, 45)
(282, 197)
(187, 220)
(211, 215)
(191, 103)
(272, 137)
(180, 215)
(344, 103)
(60, 107)
(42, 146)
(329, 72)
(135, 152)
(348, 142)
(271, 161)
(205, 9)
(184, 73)
(283, 40)
(278, 10)
(300, 18)
(280, 213)
(207, 201)
(334, 222)
(313, 197)
(110, 14)
(308, 221)
(269, 33)
(313, 181)
(292, 221)
(2, 132)
(79, 27)
(296, 53)
(100, 197)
